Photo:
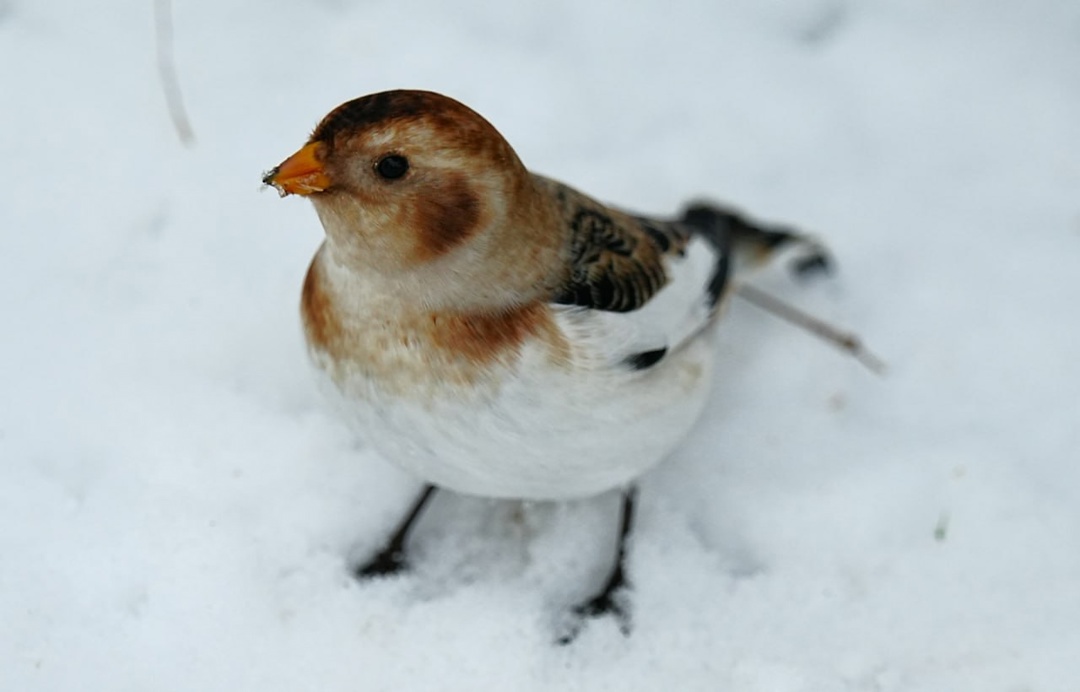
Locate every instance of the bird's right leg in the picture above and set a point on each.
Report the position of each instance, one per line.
(392, 558)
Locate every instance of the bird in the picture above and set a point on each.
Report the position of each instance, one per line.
(498, 333)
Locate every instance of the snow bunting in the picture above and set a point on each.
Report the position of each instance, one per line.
(498, 333)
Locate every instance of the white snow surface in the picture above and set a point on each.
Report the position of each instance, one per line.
(178, 504)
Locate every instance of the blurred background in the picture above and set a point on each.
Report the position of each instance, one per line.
(178, 506)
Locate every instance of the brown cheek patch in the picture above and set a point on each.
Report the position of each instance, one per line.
(444, 218)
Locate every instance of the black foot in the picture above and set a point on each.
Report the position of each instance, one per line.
(393, 558)
(609, 603)
(385, 564)
(613, 598)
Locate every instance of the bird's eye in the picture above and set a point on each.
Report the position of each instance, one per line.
(392, 166)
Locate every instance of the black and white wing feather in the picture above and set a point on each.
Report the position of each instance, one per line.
(639, 287)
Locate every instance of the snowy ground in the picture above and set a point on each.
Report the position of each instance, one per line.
(177, 506)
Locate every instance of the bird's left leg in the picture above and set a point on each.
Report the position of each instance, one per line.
(611, 598)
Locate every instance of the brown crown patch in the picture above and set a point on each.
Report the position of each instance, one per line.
(444, 124)
(454, 121)
(377, 108)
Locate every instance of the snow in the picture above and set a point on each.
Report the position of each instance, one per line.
(178, 503)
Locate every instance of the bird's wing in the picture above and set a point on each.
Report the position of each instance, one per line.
(637, 289)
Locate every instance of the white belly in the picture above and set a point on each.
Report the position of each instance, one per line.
(536, 432)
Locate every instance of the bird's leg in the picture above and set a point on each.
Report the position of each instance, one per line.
(392, 558)
(610, 599)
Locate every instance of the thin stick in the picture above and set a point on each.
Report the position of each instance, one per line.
(167, 71)
(845, 341)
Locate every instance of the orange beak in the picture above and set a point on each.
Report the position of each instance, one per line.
(300, 174)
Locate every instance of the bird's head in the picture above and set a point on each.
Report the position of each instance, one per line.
(404, 179)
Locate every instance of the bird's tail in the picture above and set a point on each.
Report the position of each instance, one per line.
(752, 245)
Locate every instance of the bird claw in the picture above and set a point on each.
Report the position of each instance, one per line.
(386, 563)
(607, 603)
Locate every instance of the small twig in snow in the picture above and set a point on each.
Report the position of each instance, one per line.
(167, 71)
(845, 341)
